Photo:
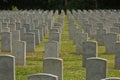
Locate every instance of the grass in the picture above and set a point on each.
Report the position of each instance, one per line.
(72, 63)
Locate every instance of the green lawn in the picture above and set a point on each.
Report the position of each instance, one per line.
(72, 63)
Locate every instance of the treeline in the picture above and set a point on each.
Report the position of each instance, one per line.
(60, 4)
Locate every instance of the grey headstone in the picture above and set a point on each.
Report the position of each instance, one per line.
(15, 36)
(43, 27)
(58, 27)
(87, 28)
(4, 25)
(5, 29)
(117, 55)
(19, 51)
(40, 33)
(112, 78)
(30, 41)
(54, 30)
(37, 37)
(80, 38)
(22, 32)
(7, 67)
(27, 27)
(0, 27)
(12, 27)
(109, 41)
(6, 41)
(18, 26)
(55, 36)
(96, 68)
(12, 20)
(51, 49)
(114, 30)
(53, 66)
(90, 49)
(100, 36)
(7, 20)
(42, 76)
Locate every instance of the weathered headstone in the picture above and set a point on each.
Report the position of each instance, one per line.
(55, 36)
(112, 78)
(27, 27)
(4, 25)
(30, 41)
(80, 38)
(90, 49)
(109, 41)
(100, 36)
(15, 36)
(12, 20)
(22, 32)
(54, 30)
(18, 26)
(7, 67)
(43, 27)
(59, 27)
(5, 29)
(117, 55)
(37, 37)
(87, 28)
(19, 51)
(6, 20)
(51, 49)
(114, 30)
(12, 27)
(53, 66)
(40, 32)
(42, 76)
(6, 41)
(96, 68)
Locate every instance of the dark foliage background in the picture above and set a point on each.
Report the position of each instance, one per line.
(59, 4)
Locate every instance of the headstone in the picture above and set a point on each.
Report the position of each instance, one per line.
(87, 28)
(12, 20)
(22, 32)
(37, 37)
(7, 67)
(19, 51)
(54, 30)
(51, 49)
(109, 41)
(0, 27)
(80, 38)
(40, 33)
(100, 36)
(27, 27)
(4, 25)
(117, 55)
(112, 78)
(96, 68)
(6, 41)
(53, 66)
(7, 20)
(12, 27)
(30, 41)
(55, 36)
(5, 29)
(18, 26)
(42, 76)
(15, 36)
(90, 49)
(58, 27)
(100, 25)
(114, 30)
(43, 27)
